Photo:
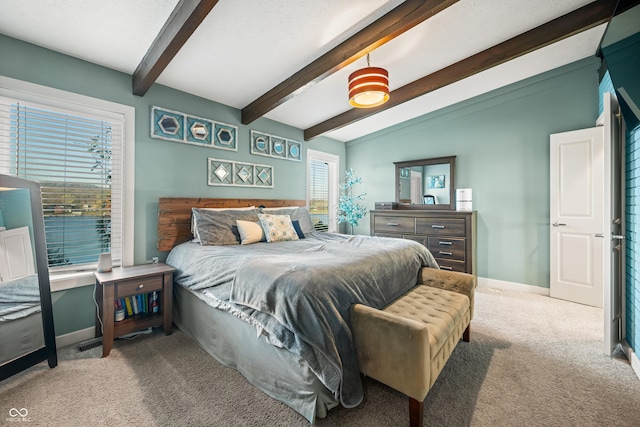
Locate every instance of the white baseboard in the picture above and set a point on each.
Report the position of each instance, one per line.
(633, 357)
(75, 337)
(484, 282)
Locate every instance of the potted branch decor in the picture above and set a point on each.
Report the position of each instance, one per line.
(349, 208)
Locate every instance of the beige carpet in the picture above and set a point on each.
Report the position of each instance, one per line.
(532, 361)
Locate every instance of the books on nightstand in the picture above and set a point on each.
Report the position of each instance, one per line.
(140, 304)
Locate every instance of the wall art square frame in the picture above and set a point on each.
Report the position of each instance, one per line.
(224, 172)
(436, 181)
(264, 144)
(175, 126)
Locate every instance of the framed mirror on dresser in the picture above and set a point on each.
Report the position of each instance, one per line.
(426, 183)
(424, 211)
(27, 335)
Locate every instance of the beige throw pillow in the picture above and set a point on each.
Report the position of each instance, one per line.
(250, 232)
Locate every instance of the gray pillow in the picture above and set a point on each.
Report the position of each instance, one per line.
(299, 214)
(219, 227)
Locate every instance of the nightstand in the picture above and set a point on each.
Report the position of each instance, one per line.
(133, 287)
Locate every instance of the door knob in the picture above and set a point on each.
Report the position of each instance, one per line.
(613, 236)
(557, 224)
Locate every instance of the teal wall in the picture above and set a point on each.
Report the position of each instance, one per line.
(162, 168)
(15, 208)
(501, 140)
(623, 62)
(73, 309)
(632, 214)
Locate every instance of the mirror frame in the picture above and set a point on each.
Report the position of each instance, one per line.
(48, 352)
(450, 160)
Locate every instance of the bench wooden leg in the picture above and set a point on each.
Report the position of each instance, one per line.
(466, 335)
(416, 410)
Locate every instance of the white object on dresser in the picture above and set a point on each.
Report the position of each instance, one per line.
(464, 198)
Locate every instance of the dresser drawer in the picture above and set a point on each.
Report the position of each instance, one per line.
(447, 248)
(394, 224)
(440, 226)
(138, 286)
(451, 265)
(420, 239)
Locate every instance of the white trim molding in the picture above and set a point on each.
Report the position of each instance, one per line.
(632, 356)
(55, 97)
(484, 282)
(333, 161)
(75, 337)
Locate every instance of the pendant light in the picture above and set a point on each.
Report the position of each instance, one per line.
(368, 87)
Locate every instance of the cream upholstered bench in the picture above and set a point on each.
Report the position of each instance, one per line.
(406, 344)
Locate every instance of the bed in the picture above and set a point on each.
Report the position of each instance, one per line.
(278, 310)
(20, 318)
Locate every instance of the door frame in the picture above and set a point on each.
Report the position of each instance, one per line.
(333, 162)
(614, 298)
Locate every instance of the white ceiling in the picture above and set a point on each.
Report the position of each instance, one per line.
(243, 48)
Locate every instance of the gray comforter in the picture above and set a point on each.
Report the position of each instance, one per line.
(19, 298)
(299, 293)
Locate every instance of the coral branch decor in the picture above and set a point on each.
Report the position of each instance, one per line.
(350, 210)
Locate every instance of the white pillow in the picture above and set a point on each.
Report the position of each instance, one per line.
(250, 232)
(194, 228)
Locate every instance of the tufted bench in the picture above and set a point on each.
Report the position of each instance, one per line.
(407, 343)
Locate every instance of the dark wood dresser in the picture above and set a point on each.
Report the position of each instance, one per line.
(449, 235)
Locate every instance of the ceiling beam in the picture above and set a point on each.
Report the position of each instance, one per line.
(183, 21)
(572, 23)
(399, 20)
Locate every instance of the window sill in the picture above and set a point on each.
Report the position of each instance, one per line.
(70, 280)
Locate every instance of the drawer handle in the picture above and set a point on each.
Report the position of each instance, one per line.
(438, 226)
(393, 224)
(445, 253)
(445, 243)
(140, 286)
(444, 267)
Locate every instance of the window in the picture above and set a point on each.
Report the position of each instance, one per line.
(76, 154)
(322, 189)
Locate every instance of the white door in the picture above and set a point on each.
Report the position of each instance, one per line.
(16, 256)
(578, 166)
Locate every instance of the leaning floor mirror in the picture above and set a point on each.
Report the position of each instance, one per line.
(27, 335)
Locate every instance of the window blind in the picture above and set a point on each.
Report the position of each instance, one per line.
(319, 194)
(77, 159)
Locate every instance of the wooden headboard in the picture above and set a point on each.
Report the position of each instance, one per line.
(174, 215)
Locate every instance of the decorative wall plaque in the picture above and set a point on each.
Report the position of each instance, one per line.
(264, 144)
(180, 127)
(239, 174)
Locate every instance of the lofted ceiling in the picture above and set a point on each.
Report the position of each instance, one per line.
(289, 60)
